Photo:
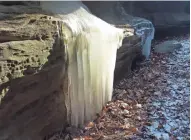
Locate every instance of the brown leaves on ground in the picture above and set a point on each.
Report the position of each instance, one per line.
(131, 112)
(127, 116)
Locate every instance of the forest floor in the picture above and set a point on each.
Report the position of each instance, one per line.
(152, 103)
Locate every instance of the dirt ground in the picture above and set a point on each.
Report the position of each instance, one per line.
(152, 103)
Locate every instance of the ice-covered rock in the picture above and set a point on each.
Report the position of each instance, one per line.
(143, 28)
(35, 78)
(114, 13)
(91, 46)
(167, 46)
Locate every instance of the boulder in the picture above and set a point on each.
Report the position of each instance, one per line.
(32, 75)
(127, 56)
(167, 46)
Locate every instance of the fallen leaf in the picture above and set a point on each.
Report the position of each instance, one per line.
(160, 126)
(90, 125)
(133, 129)
(88, 138)
(100, 125)
(138, 105)
(126, 126)
(148, 123)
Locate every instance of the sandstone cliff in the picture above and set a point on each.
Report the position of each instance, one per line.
(33, 71)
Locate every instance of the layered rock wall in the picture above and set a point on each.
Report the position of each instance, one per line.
(168, 17)
(34, 71)
(114, 13)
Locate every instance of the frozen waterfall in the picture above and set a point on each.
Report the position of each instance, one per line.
(146, 33)
(91, 46)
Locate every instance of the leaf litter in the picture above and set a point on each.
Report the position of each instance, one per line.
(152, 103)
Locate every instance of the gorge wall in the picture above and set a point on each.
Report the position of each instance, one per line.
(58, 60)
(168, 17)
(36, 65)
(114, 13)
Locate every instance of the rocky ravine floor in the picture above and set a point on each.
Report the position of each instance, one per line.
(152, 103)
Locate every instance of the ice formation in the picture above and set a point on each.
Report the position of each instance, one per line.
(143, 28)
(118, 16)
(91, 46)
(147, 35)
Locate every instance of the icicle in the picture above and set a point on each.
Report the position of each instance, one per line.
(92, 46)
(146, 32)
(144, 28)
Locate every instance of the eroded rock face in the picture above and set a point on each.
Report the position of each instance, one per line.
(161, 13)
(168, 17)
(32, 76)
(27, 45)
(114, 13)
(33, 72)
(127, 56)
